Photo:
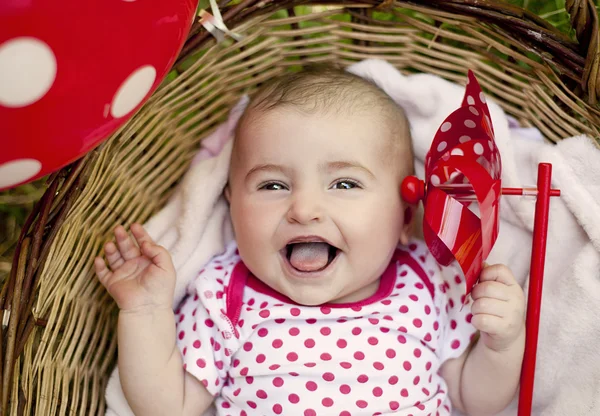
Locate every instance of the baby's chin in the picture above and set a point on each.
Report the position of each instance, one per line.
(318, 296)
(309, 297)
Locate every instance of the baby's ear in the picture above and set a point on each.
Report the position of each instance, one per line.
(408, 223)
(227, 193)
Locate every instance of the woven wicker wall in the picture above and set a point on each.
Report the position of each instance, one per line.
(62, 323)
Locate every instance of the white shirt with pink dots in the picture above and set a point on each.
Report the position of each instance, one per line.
(259, 353)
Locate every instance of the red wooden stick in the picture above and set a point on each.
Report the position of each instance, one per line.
(536, 278)
(466, 193)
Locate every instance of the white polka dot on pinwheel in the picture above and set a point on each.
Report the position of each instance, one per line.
(470, 100)
(470, 124)
(27, 71)
(17, 171)
(482, 97)
(464, 139)
(441, 146)
(457, 152)
(446, 126)
(133, 91)
(478, 148)
(435, 180)
(473, 110)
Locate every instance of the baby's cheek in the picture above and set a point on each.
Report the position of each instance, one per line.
(375, 237)
(250, 221)
(387, 222)
(254, 233)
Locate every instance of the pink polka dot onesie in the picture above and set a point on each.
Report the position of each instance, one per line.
(259, 353)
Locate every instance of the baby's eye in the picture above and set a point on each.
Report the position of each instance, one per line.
(345, 184)
(272, 186)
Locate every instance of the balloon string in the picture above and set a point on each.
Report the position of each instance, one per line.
(214, 23)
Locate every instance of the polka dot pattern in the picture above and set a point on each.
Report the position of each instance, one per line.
(132, 91)
(27, 69)
(365, 359)
(466, 132)
(17, 171)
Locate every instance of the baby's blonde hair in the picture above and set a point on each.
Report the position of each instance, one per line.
(328, 89)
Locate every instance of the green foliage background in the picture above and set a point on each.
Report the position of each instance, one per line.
(15, 204)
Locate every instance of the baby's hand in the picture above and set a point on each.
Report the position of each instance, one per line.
(137, 278)
(498, 308)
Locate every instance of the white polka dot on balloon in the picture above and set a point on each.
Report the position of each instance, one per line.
(441, 146)
(457, 152)
(478, 148)
(474, 110)
(446, 126)
(470, 124)
(435, 180)
(27, 71)
(464, 139)
(132, 91)
(482, 97)
(470, 100)
(17, 171)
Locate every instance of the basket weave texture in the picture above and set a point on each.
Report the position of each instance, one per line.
(59, 324)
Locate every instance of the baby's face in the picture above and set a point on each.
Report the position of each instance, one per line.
(316, 209)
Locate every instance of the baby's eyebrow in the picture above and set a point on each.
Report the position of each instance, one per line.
(347, 164)
(268, 167)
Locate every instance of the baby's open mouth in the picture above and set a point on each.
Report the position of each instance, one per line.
(313, 256)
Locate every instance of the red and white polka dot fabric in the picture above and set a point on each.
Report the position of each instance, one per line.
(258, 352)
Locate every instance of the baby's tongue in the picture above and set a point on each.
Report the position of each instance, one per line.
(309, 257)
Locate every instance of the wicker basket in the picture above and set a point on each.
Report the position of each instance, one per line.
(59, 324)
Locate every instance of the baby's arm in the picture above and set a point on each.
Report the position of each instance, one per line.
(142, 281)
(485, 379)
(151, 367)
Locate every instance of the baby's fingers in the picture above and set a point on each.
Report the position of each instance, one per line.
(126, 245)
(102, 271)
(490, 324)
(140, 234)
(158, 255)
(494, 290)
(113, 256)
(497, 273)
(490, 306)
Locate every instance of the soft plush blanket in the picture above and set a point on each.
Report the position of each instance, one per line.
(195, 226)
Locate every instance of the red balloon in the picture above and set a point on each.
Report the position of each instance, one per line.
(73, 71)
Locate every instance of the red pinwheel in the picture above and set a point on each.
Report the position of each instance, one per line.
(461, 195)
(462, 167)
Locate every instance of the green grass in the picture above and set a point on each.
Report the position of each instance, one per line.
(15, 204)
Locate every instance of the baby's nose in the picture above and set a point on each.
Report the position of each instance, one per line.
(305, 208)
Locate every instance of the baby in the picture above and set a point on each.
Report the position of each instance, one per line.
(325, 304)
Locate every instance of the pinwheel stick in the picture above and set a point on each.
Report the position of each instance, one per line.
(536, 279)
(465, 192)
